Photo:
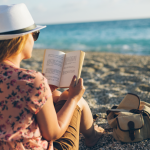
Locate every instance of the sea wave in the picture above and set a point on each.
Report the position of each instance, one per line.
(126, 36)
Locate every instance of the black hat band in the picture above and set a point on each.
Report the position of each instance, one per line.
(20, 31)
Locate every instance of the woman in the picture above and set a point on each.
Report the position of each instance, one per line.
(33, 115)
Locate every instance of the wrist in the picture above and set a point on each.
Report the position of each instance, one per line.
(74, 99)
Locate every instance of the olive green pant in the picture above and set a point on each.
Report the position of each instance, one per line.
(70, 139)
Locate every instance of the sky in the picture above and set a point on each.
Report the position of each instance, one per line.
(68, 11)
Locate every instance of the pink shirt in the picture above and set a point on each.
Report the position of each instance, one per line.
(22, 94)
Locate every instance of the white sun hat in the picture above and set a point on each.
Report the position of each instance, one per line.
(15, 21)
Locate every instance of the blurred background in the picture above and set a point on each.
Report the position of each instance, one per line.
(119, 26)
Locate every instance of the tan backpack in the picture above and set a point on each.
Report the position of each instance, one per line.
(130, 120)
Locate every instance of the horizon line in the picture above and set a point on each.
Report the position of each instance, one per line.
(126, 19)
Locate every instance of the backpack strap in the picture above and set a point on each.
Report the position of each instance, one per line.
(145, 107)
(131, 130)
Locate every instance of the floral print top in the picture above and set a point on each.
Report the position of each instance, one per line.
(22, 94)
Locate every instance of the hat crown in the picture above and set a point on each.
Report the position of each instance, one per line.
(14, 17)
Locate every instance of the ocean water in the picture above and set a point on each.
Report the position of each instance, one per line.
(123, 36)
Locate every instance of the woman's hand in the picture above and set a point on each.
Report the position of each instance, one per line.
(53, 87)
(76, 90)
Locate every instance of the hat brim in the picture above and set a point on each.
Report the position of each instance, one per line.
(11, 36)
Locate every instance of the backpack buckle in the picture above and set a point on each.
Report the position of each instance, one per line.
(131, 130)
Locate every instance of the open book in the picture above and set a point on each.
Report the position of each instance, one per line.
(59, 67)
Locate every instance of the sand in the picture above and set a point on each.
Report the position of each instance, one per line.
(108, 77)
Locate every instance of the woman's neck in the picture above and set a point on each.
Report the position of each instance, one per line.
(15, 60)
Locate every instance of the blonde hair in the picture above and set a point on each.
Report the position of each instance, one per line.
(12, 47)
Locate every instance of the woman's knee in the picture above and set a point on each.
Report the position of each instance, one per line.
(56, 94)
(81, 103)
(63, 96)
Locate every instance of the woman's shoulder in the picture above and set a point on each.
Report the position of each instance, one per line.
(26, 75)
(21, 75)
(20, 72)
(29, 72)
(30, 75)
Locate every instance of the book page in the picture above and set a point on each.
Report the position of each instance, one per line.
(82, 55)
(52, 66)
(71, 67)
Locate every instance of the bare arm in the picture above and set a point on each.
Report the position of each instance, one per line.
(53, 125)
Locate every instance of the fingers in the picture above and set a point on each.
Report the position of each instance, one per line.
(52, 87)
(80, 81)
(76, 90)
(73, 82)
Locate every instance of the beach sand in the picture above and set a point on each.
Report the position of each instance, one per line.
(108, 77)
